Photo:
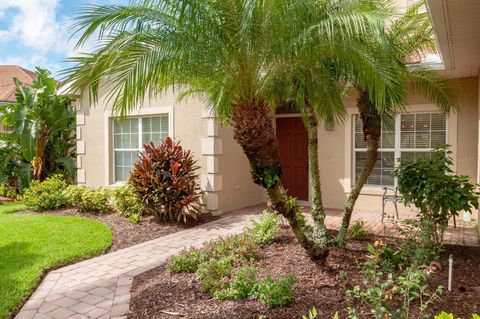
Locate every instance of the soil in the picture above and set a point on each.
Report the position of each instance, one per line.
(126, 234)
(160, 294)
(5, 199)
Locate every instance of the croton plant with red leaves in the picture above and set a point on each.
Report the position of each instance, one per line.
(165, 178)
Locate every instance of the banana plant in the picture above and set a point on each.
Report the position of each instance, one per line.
(40, 128)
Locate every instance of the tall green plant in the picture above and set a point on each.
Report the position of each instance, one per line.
(39, 139)
(226, 52)
(438, 193)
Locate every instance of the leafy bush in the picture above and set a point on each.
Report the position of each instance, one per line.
(241, 284)
(394, 296)
(357, 230)
(213, 272)
(238, 247)
(241, 246)
(46, 195)
(275, 291)
(383, 256)
(88, 199)
(418, 245)
(187, 261)
(429, 184)
(127, 203)
(223, 265)
(164, 177)
(264, 230)
(244, 282)
(8, 191)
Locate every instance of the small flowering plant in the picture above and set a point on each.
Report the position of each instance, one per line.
(242, 283)
(275, 291)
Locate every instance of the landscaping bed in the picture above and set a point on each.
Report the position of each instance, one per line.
(125, 233)
(162, 294)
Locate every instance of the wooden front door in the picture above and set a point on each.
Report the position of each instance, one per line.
(293, 147)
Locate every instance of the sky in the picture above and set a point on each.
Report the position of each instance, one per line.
(34, 32)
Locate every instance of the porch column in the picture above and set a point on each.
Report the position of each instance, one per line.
(212, 148)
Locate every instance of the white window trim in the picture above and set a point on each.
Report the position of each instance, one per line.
(108, 129)
(451, 132)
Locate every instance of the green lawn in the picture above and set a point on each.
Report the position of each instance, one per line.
(30, 244)
(12, 207)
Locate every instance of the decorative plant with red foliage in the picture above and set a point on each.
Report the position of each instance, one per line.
(164, 176)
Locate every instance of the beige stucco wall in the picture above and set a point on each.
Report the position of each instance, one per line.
(235, 170)
(224, 169)
(226, 184)
(336, 150)
(187, 127)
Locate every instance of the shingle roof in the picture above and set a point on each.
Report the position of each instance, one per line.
(7, 86)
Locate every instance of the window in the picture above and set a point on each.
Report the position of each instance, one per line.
(410, 137)
(423, 7)
(128, 138)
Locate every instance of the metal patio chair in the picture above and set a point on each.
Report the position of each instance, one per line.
(390, 194)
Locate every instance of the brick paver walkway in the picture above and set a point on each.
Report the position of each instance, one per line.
(100, 287)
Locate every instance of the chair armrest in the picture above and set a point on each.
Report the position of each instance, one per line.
(394, 190)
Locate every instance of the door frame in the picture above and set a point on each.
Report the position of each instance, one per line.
(300, 202)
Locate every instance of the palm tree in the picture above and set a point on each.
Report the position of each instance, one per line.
(409, 38)
(316, 91)
(224, 50)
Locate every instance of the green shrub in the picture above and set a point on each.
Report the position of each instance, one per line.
(383, 256)
(275, 291)
(418, 245)
(241, 246)
(187, 261)
(241, 284)
(213, 272)
(165, 179)
(46, 195)
(73, 194)
(8, 191)
(127, 203)
(264, 230)
(430, 185)
(357, 231)
(86, 199)
(395, 296)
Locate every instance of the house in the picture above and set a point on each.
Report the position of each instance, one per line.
(7, 85)
(107, 148)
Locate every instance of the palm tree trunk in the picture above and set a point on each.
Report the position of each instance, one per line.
(254, 131)
(371, 132)
(318, 211)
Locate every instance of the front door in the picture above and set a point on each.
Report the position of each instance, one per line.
(293, 147)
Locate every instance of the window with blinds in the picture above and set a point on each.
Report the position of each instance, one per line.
(422, 9)
(128, 138)
(410, 137)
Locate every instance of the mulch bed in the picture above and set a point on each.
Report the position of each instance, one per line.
(5, 199)
(160, 294)
(126, 234)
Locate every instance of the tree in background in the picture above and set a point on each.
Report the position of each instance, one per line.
(40, 133)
